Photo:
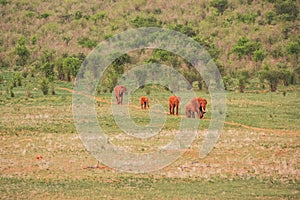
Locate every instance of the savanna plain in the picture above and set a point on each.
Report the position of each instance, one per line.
(256, 156)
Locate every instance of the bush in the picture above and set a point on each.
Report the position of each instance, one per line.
(286, 9)
(86, 42)
(187, 30)
(78, 15)
(270, 16)
(247, 18)
(259, 55)
(145, 22)
(3, 2)
(220, 5)
(44, 16)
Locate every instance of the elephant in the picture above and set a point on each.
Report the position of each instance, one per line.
(174, 103)
(203, 104)
(144, 101)
(197, 105)
(190, 110)
(119, 91)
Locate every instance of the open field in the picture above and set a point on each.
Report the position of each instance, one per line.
(256, 157)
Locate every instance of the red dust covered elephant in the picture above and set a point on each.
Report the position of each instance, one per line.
(119, 91)
(174, 104)
(144, 101)
(197, 105)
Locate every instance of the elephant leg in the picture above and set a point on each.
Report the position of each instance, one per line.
(198, 113)
(121, 99)
(201, 115)
(176, 109)
(193, 114)
(173, 107)
(187, 114)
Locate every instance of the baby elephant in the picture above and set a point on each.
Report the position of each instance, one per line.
(190, 110)
(144, 102)
(197, 105)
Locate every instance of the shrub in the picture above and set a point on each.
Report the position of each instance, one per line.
(44, 16)
(259, 55)
(30, 14)
(270, 16)
(78, 15)
(247, 18)
(145, 22)
(220, 5)
(86, 42)
(293, 48)
(187, 30)
(3, 2)
(286, 9)
(98, 16)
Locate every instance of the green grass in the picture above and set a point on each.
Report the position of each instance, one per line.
(128, 187)
(245, 163)
(265, 110)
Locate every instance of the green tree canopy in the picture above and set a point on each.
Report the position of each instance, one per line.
(22, 51)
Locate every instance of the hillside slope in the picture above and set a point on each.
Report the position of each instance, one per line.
(239, 34)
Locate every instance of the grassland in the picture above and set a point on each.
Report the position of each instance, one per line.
(256, 157)
(42, 156)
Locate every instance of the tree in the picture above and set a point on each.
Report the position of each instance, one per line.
(22, 52)
(166, 57)
(118, 64)
(48, 70)
(246, 47)
(285, 76)
(59, 69)
(297, 72)
(228, 82)
(141, 76)
(192, 75)
(293, 49)
(107, 81)
(272, 77)
(44, 85)
(71, 66)
(243, 79)
(16, 79)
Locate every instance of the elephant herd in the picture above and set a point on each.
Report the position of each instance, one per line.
(196, 105)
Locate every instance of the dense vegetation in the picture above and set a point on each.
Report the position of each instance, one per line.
(255, 44)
